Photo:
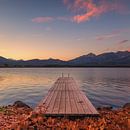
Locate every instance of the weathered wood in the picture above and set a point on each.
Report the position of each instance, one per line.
(66, 99)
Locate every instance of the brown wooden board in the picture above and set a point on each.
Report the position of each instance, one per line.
(65, 98)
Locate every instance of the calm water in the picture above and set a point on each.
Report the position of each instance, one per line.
(103, 86)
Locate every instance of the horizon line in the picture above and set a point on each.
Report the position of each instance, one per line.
(68, 59)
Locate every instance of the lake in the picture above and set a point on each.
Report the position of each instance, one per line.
(103, 86)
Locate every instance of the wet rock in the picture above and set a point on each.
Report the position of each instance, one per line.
(20, 104)
(105, 107)
(127, 105)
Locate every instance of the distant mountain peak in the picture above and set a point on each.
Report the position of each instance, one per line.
(91, 55)
(125, 52)
(120, 58)
(2, 57)
(51, 59)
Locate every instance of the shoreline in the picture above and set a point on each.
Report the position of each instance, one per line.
(66, 67)
(21, 116)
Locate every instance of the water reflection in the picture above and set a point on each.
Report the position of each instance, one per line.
(102, 85)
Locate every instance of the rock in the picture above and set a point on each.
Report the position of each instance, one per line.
(127, 105)
(20, 104)
(105, 107)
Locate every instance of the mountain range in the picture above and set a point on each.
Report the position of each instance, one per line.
(109, 59)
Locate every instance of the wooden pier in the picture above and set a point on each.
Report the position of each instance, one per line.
(66, 99)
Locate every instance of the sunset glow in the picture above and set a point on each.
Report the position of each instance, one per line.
(63, 29)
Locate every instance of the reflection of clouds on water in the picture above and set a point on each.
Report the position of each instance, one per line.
(103, 86)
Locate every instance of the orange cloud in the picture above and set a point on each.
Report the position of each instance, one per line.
(42, 19)
(92, 9)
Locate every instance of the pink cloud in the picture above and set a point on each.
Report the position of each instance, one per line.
(113, 34)
(123, 41)
(92, 9)
(63, 18)
(50, 19)
(42, 19)
(106, 36)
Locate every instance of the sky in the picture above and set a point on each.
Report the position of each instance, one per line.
(63, 29)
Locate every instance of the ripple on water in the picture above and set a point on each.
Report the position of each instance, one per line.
(103, 86)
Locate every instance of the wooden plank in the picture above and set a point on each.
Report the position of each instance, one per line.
(74, 109)
(66, 98)
(68, 103)
(81, 99)
(45, 103)
(78, 101)
(58, 99)
(89, 108)
(57, 103)
(89, 104)
(51, 102)
(73, 90)
(62, 101)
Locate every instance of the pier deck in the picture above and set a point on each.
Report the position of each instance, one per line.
(66, 99)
